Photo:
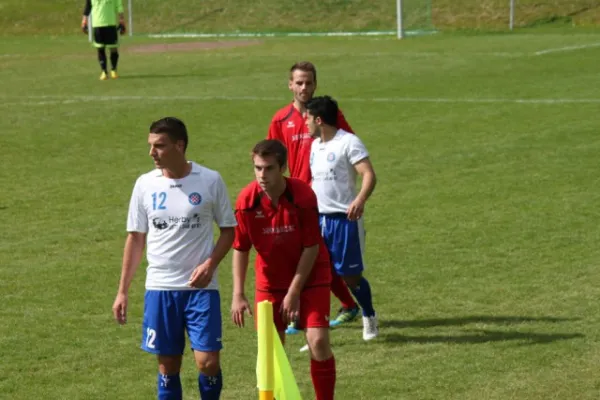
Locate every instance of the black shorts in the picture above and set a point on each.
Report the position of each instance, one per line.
(106, 36)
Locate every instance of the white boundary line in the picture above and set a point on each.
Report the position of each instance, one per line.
(567, 48)
(236, 52)
(233, 52)
(48, 100)
(284, 34)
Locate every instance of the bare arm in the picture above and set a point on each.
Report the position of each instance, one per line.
(364, 168)
(240, 269)
(203, 273)
(305, 266)
(290, 308)
(223, 245)
(132, 256)
(368, 178)
(239, 302)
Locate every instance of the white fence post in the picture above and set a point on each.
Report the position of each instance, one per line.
(90, 28)
(399, 19)
(130, 8)
(511, 23)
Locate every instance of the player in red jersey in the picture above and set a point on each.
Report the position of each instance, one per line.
(289, 126)
(278, 216)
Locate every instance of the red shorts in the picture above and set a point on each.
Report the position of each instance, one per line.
(314, 307)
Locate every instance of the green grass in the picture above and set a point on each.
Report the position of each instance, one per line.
(59, 17)
(483, 232)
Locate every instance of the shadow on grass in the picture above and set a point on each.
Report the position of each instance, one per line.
(470, 319)
(482, 336)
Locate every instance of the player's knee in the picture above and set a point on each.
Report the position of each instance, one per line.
(169, 365)
(318, 342)
(207, 362)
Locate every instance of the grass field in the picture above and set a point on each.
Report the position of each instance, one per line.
(483, 232)
(60, 17)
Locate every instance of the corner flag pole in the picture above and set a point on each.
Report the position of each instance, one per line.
(266, 369)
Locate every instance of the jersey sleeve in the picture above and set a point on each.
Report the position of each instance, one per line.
(119, 5)
(356, 150)
(274, 131)
(309, 221)
(222, 211)
(342, 123)
(87, 9)
(137, 217)
(242, 240)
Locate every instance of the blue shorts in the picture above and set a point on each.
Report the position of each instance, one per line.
(169, 313)
(345, 241)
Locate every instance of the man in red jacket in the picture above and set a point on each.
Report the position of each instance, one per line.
(289, 126)
(278, 216)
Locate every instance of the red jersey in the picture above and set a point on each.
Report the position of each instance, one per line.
(288, 126)
(280, 234)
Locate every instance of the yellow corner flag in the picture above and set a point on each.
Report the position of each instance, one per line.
(273, 371)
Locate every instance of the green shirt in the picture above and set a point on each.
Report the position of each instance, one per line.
(105, 12)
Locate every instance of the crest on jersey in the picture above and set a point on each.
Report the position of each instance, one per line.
(331, 157)
(195, 198)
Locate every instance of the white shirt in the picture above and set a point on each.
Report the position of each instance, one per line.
(333, 173)
(178, 216)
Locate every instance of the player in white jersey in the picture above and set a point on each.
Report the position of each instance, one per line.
(172, 212)
(336, 159)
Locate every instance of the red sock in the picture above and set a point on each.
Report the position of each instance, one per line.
(341, 291)
(323, 378)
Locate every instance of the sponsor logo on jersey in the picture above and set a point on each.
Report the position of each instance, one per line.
(302, 136)
(273, 230)
(160, 224)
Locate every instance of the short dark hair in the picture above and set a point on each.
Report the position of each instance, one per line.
(173, 127)
(305, 66)
(271, 147)
(324, 107)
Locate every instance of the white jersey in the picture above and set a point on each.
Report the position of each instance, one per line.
(333, 173)
(178, 216)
